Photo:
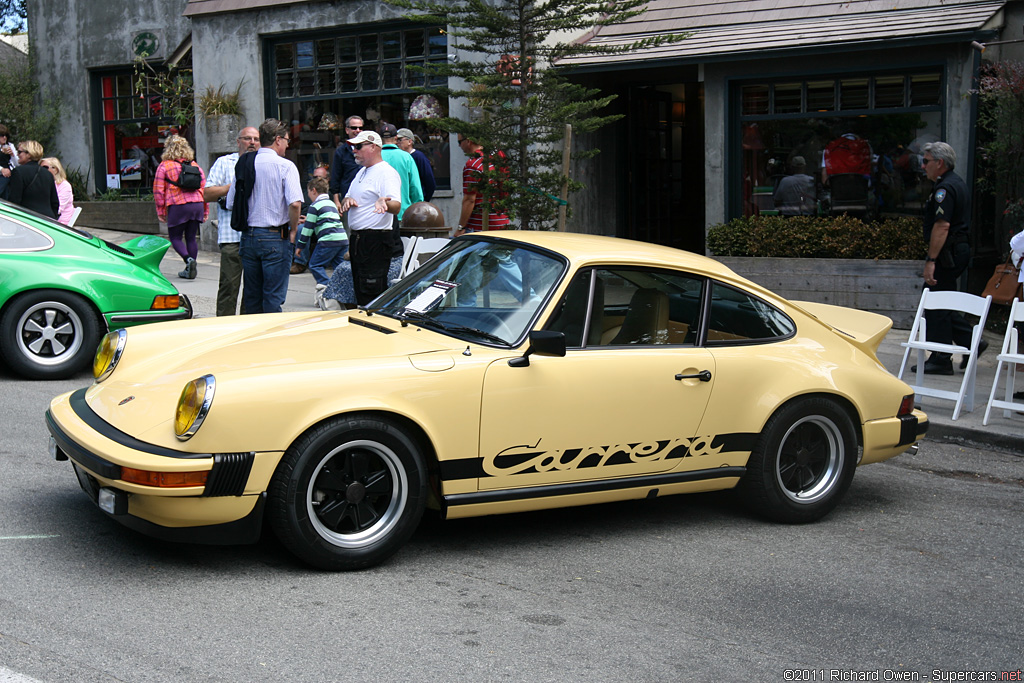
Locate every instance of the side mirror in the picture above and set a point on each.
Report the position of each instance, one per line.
(543, 343)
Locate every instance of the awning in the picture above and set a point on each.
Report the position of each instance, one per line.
(864, 29)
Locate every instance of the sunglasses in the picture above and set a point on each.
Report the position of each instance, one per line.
(21, 151)
(46, 167)
(359, 145)
(354, 127)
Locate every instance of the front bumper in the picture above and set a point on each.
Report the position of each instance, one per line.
(221, 512)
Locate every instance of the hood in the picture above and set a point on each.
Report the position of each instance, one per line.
(265, 353)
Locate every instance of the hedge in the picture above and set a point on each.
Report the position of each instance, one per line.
(818, 237)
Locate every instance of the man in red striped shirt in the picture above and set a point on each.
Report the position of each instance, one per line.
(471, 219)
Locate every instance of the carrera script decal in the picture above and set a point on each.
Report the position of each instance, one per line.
(524, 459)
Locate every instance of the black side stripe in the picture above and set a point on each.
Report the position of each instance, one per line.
(576, 488)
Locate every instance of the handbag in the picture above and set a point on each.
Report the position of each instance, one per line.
(1004, 285)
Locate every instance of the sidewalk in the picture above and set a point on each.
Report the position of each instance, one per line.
(1001, 432)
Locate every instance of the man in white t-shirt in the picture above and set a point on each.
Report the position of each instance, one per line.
(374, 195)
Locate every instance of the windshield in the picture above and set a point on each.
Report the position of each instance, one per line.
(476, 289)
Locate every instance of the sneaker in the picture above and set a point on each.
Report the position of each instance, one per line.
(297, 268)
(189, 273)
(981, 348)
(318, 295)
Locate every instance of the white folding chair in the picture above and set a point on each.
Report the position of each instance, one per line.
(408, 245)
(951, 301)
(1010, 356)
(74, 215)
(425, 248)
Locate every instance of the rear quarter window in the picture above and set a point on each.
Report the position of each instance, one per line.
(736, 317)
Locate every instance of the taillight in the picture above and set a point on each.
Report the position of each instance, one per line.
(906, 406)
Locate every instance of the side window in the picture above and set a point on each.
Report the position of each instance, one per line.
(16, 236)
(629, 307)
(739, 317)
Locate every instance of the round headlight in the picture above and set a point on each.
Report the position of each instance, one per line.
(108, 353)
(193, 406)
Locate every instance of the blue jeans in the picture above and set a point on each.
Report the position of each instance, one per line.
(326, 254)
(266, 259)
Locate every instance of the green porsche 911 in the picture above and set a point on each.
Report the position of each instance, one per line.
(62, 289)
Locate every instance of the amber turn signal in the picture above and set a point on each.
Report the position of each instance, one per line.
(164, 480)
(166, 303)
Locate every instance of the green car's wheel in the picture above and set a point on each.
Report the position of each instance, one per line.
(803, 462)
(348, 493)
(49, 334)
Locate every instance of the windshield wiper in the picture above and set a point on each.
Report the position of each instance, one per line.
(427, 321)
(407, 314)
(478, 332)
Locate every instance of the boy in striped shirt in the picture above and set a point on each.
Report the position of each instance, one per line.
(324, 221)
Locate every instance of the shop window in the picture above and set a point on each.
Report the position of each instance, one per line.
(889, 92)
(321, 80)
(854, 93)
(852, 145)
(755, 100)
(788, 98)
(133, 132)
(821, 95)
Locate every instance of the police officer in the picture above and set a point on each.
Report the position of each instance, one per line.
(946, 225)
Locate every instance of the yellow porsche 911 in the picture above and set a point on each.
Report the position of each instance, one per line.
(513, 371)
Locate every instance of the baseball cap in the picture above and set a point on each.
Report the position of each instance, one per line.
(367, 136)
(408, 135)
(388, 130)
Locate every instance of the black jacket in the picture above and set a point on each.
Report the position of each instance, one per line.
(245, 179)
(35, 189)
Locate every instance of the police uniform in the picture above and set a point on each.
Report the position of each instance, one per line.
(950, 201)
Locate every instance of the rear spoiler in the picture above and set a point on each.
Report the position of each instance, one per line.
(863, 329)
(146, 251)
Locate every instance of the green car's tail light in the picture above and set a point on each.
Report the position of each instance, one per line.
(193, 406)
(108, 353)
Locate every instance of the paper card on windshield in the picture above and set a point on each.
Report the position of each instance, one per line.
(430, 297)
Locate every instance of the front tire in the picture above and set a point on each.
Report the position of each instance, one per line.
(349, 493)
(49, 334)
(803, 462)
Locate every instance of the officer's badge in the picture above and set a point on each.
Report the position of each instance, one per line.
(940, 195)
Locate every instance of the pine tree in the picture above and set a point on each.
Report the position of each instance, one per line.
(516, 87)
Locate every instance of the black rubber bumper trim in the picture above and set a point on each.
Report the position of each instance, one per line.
(911, 430)
(576, 488)
(86, 459)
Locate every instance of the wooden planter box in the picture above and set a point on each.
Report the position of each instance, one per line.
(891, 288)
(129, 216)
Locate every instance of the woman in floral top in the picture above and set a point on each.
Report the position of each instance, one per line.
(182, 209)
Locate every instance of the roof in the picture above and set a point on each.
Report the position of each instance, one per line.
(734, 27)
(200, 7)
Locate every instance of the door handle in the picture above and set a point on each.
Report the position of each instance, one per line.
(703, 376)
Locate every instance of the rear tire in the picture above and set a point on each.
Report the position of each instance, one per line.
(49, 334)
(803, 462)
(349, 493)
